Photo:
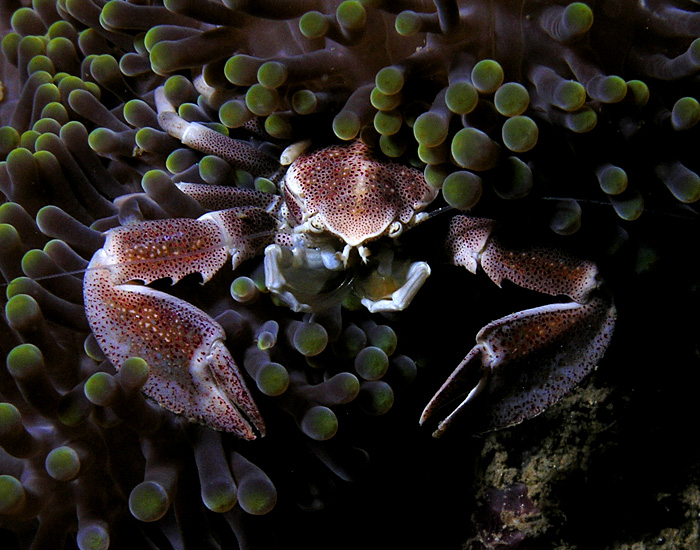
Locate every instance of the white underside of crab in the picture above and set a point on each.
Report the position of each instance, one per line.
(332, 203)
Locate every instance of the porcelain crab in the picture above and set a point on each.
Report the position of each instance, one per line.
(334, 210)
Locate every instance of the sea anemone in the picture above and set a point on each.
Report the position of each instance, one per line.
(548, 113)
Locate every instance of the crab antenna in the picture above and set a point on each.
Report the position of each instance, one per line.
(688, 211)
(439, 211)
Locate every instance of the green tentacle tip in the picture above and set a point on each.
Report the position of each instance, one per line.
(103, 67)
(404, 367)
(694, 51)
(511, 99)
(435, 174)
(408, 23)
(148, 501)
(149, 139)
(462, 189)
(430, 129)
(35, 261)
(345, 387)
(474, 149)
(56, 111)
(101, 389)
(94, 536)
(388, 123)
(383, 337)
(638, 91)
(41, 63)
(517, 181)
(63, 463)
(9, 238)
(257, 495)
(47, 125)
(279, 125)
(12, 494)
(371, 363)
(487, 76)
(73, 410)
(26, 21)
(213, 170)
(92, 349)
(351, 15)
(313, 24)
(682, 182)
(20, 160)
(609, 89)
(179, 89)
(9, 140)
(319, 423)
(376, 398)
(570, 95)
(28, 139)
(25, 360)
(10, 418)
(134, 372)
(243, 290)
(520, 133)
(101, 139)
(154, 179)
(272, 74)
(351, 341)
(390, 80)
(566, 219)
(578, 19)
(384, 102)
(220, 496)
(685, 114)
(346, 125)
(241, 70)
(265, 185)
(581, 121)
(629, 205)
(272, 379)
(310, 339)
(32, 45)
(392, 146)
(433, 155)
(461, 97)
(304, 102)
(261, 101)
(234, 113)
(612, 179)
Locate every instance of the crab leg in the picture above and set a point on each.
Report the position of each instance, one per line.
(524, 362)
(239, 154)
(192, 372)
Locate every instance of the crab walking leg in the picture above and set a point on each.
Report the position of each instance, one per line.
(239, 154)
(526, 361)
(470, 244)
(192, 372)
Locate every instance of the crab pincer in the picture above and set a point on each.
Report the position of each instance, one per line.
(192, 372)
(526, 361)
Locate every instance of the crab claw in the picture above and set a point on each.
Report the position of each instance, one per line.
(524, 362)
(192, 372)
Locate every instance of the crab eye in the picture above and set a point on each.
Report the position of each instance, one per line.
(316, 226)
(395, 229)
